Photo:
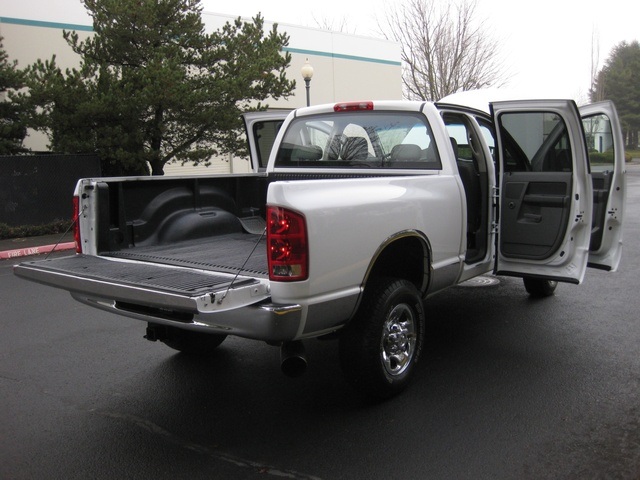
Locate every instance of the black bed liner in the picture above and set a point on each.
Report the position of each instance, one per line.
(229, 253)
(222, 254)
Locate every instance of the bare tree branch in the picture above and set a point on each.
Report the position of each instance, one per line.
(596, 91)
(444, 48)
(341, 25)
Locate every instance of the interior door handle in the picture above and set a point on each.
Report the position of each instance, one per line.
(532, 218)
(547, 200)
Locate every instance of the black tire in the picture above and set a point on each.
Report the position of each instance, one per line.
(192, 343)
(380, 347)
(539, 287)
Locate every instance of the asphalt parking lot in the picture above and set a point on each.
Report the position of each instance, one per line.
(509, 388)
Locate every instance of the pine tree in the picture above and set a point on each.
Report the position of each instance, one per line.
(12, 120)
(153, 87)
(619, 81)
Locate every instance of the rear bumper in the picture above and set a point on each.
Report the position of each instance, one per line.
(184, 298)
(262, 321)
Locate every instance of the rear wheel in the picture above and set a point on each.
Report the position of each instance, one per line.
(380, 347)
(539, 287)
(190, 342)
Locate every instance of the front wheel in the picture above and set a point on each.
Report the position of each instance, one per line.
(539, 287)
(380, 347)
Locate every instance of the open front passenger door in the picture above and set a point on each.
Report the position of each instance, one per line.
(545, 205)
(261, 129)
(606, 158)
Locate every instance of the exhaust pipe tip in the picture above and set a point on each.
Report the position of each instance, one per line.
(293, 359)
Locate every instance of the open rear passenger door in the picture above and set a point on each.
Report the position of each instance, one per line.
(606, 157)
(545, 193)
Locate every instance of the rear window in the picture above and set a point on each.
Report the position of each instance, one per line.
(395, 140)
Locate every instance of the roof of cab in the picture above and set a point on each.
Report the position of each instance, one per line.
(480, 99)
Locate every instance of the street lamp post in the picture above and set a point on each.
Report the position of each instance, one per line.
(307, 73)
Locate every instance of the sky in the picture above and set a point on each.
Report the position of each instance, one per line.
(544, 45)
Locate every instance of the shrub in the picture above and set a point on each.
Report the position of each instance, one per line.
(55, 227)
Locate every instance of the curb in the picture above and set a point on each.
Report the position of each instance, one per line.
(25, 252)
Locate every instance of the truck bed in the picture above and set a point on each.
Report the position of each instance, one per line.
(228, 253)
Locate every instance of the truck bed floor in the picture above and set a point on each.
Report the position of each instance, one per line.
(229, 253)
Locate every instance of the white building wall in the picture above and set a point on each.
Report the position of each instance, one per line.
(346, 67)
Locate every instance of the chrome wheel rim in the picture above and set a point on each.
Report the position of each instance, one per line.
(398, 340)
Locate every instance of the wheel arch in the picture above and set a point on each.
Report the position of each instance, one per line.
(405, 255)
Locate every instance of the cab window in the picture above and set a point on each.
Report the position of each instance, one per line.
(265, 134)
(535, 141)
(597, 129)
(389, 140)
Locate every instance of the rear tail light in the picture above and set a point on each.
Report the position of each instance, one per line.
(352, 106)
(287, 246)
(76, 223)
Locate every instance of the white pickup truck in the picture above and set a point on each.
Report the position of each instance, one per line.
(363, 211)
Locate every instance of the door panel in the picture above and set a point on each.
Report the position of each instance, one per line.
(545, 190)
(601, 188)
(535, 208)
(606, 157)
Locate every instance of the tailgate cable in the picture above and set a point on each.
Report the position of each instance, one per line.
(242, 267)
(75, 220)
